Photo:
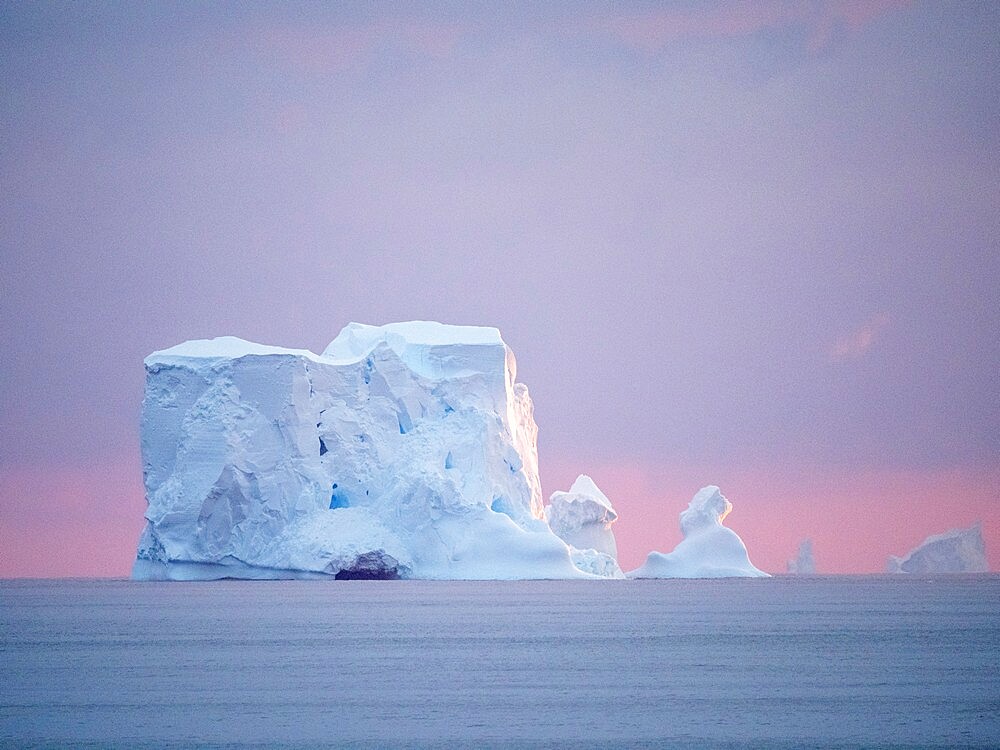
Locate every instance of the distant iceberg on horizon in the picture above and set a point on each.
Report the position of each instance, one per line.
(407, 450)
(804, 563)
(954, 551)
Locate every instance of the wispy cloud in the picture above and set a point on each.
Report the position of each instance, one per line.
(651, 31)
(856, 344)
(326, 49)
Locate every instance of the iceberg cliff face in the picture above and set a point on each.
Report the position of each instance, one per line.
(406, 450)
(955, 551)
(708, 549)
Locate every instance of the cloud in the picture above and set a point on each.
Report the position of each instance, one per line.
(651, 31)
(333, 48)
(855, 345)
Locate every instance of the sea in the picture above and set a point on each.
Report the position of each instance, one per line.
(786, 662)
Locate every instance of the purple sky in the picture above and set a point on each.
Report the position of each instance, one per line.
(755, 244)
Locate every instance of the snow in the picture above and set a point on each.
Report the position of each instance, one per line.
(223, 347)
(357, 339)
(431, 349)
(406, 450)
(708, 550)
(955, 551)
(596, 563)
(804, 564)
(582, 518)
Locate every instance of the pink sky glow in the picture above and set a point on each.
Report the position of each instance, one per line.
(854, 519)
(751, 244)
(85, 522)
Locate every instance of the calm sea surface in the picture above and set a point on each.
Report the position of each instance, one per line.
(785, 662)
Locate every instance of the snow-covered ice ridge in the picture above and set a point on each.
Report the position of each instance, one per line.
(582, 518)
(955, 551)
(402, 451)
(708, 549)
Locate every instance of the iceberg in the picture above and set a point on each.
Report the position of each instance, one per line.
(804, 563)
(955, 551)
(708, 549)
(582, 518)
(402, 451)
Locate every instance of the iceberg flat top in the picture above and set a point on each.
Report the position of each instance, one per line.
(972, 533)
(434, 350)
(223, 347)
(355, 341)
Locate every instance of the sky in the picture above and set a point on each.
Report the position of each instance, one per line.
(752, 245)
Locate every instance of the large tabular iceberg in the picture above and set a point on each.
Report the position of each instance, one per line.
(406, 450)
(955, 551)
(708, 549)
